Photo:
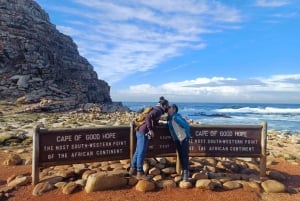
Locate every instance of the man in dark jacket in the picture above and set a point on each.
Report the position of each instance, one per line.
(142, 140)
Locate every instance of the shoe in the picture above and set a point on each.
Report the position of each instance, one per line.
(132, 171)
(185, 175)
(142, 176)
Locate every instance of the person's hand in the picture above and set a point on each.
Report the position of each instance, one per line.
(152, 133)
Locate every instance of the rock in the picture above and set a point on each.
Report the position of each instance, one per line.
(203, 183)
(166, 184)
(132, 181)
(13, 159)
(19, 181)
(41, 188)
(230, 185)
(198, 176)
(145, 186)
(6, 189)
(60, 184)
(276, 175)
(104, 181)
(47, 65)
(87, 173)
(81, 182)
(52, 179)
(146, 167)
(10, 178)
(157, 177)
(273, 186)
(185, 184)
(154, 171)
(169, 170)
(161, 160)
(69, 188)
(178, 178)
(65, 173)
(292, 190)
(152, 161)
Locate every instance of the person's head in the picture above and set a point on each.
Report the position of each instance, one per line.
(172, 109)
(164, 103)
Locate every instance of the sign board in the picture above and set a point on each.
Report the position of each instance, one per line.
(69, 146)
(81, 145)
(162, 144)
(222, 140)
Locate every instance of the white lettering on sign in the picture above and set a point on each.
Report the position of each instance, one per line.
(48, 148)
(64, 138)
(63, 155)
(109, 136)
(240, 133)
(198, 141)
(62, 147)
(213, 133)
(93, 137)
(162, 137)
(201, 133)
(201, 148)
(82, 154)
(226, 133)
(108, 152)
(241, 149)
(164, 146)
(250, 141)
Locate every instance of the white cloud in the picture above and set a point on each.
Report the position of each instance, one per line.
(272, 3)
(120, 38)
(219, 89)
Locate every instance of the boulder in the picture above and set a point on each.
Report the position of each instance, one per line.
(104, 181)
(145, 186)
(273, 186)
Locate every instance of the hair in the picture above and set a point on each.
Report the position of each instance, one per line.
(163, 101)
(175, 107)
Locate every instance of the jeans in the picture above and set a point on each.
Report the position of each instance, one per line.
(140, 151)
(183, 152)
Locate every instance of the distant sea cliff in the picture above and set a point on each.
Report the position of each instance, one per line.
(39, 65)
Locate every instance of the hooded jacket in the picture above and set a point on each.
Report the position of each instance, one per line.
(178, 127)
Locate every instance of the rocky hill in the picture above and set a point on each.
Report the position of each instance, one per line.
(38, 64)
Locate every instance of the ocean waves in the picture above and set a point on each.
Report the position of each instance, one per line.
(281, 117)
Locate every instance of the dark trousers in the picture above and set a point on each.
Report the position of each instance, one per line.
(183, 152)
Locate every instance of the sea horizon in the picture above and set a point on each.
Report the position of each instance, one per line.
(284, 117)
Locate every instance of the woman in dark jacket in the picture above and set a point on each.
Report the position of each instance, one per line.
(142, 140)
(180, 131)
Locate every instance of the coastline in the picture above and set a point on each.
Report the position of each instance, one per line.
(17, 128)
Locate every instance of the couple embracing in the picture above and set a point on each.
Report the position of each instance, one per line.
(180, 132)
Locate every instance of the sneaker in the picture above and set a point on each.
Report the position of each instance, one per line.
(132, 171)
(142, 176)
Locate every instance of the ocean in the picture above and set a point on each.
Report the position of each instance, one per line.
(279, 117)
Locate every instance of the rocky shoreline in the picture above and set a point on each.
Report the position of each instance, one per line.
(214, 173)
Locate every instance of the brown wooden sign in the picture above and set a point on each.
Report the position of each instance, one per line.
(61, 146)
(162, 144)
(214, 140)
(81, 145)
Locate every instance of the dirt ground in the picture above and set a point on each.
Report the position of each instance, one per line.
(24, 193)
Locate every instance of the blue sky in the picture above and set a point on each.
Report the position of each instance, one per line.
(188, 50)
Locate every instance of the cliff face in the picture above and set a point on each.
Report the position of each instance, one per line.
(38, 63)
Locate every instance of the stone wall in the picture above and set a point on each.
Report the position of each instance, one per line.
(38, 63)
